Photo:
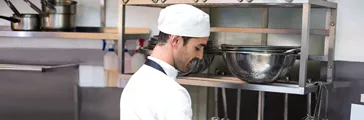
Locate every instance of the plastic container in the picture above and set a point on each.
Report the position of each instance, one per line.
(138, 59)
(127, 62)
(111, 73)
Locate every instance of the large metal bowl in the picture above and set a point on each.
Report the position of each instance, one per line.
(258, 67)
(257, 48)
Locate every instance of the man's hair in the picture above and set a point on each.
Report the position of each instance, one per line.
(163, 38)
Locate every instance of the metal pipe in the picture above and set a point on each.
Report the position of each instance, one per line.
(216, 103)
(285, 106)
(103, 13)
(304, 44)
(326, 104)
(309, 98)
(224, 102)
(238, 104)
(264, 24)
(261, 106)
(121, 34)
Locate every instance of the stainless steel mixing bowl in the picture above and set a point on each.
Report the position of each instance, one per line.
(258, 67)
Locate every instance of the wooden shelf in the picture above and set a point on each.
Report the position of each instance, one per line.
(92, 33)
(232, 3)
(235, 83)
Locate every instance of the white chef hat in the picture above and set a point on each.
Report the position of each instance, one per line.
(184, 20)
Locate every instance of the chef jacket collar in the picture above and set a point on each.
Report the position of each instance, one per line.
(169, 69)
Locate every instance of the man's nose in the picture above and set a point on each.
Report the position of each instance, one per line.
(200, 54)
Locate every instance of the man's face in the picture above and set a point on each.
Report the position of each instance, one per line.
(183, 54)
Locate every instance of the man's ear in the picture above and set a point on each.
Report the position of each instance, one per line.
(173, 40)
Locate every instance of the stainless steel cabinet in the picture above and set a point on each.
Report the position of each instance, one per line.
(29, 94)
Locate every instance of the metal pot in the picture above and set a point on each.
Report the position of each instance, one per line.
(60, 1)
(259, 67)
(56, 17)
(23, 22)
(60, 7)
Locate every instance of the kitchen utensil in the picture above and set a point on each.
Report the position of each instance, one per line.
(258, 67)
(238, 102)
(261, 105)
(216, 117)
(57, 16)
(23, 22)
(225, 104)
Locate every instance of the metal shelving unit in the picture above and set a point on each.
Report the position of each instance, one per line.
(302, 87)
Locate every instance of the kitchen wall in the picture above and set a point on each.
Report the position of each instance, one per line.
(88, 14)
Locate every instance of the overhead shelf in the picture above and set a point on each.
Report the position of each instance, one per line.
(232, 3)
(93, 33)
(268, 30)
(235, 83)
(37, 68)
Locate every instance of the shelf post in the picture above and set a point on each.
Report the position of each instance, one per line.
(264, 24)
(261, 99)
(121, 35)
(103, 13)
(305, 42)
(330, 41)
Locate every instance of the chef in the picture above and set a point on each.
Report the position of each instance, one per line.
(153, 93)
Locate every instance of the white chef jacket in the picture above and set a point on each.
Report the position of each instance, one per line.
(152, 95)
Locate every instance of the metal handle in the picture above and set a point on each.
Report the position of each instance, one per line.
(163, 1)
(204, 1)
(154, 1)
(35, 7)
(125, 1)
(48, 4)
(11, 19)
(195, 1)
(240, 0)
(250, 0)
(16, 12)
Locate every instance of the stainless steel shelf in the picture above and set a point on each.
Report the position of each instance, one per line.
(268, 30)
(233, 3)
(36, 68)
(235, 83)
(316, 58)
(93, 33)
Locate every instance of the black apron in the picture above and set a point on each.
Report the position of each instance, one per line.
(154, 65)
